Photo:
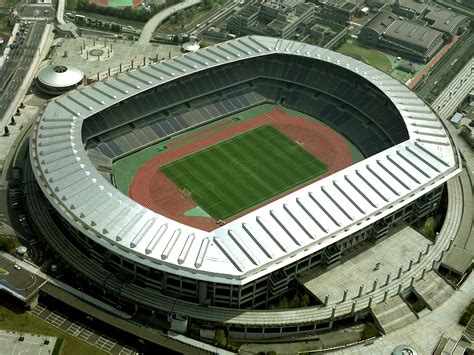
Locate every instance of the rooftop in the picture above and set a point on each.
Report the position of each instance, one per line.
(59, 75)
(443, 19)
(415, 5)
(381, 21)
(412, 33)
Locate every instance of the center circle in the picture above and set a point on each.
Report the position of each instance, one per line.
(245, 168)
(96, 52)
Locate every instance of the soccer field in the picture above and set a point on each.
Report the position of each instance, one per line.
(239, 173)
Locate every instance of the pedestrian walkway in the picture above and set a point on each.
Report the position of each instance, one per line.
(370, 270)
(425, 333)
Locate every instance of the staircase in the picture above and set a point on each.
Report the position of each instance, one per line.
(393, 314)
(433, 290)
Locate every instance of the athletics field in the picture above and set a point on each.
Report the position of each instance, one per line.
(232, 176)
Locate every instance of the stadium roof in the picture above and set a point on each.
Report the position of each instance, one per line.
(261, 241)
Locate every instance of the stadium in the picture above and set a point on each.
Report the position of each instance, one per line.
(216, 177)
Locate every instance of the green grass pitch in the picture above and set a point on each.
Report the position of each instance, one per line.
(241, 172)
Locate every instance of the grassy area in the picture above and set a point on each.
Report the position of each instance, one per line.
(369, 56)
(467, 314)
(239, 173)
(25, 322)
(5, 26)
(370, 331)
(8, 3)
(9, 242)
(183, 19)
(382, 61)
(429, 228)
(125, 22)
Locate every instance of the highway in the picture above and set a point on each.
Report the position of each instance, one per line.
(444, 65)
(18, 64)
(455, 92)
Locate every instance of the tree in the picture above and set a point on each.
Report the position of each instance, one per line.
(283, 303)
(304, 301)
(221, 338)
(295, 302)
(194, 329)
(208, 4)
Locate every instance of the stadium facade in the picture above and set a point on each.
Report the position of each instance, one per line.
(253, 259)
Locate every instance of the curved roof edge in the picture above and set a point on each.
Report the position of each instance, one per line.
(378, 185)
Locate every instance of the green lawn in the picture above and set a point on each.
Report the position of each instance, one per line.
(239, 173)
(369, 56)
(5, 26)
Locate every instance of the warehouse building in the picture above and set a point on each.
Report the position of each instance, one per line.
(401, 37)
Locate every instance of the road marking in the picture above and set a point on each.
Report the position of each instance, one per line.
(85, 334)
(104, 343)
(126, 350)
(55, 319)
(75, 329)
(37, 310)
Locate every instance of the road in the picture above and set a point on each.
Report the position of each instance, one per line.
(445, 65)
(60, 12)
(17, 66)
(455, 92)
(156, 20)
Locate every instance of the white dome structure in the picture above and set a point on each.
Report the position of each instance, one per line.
(58, 79)
(190, 46)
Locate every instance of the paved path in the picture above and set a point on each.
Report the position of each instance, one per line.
(389, 255)
(156, 20)
(60, 12)
(425, 333)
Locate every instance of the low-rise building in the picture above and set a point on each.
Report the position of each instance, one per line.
(340, 11)
(446, 21)
(409, 8)
(271, 18)
(319, 31)
(408, 67)
(405, 38)
(377, 4)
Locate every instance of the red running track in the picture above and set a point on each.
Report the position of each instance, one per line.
(154, 190)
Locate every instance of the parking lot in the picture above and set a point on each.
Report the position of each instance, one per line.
(81, 331)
